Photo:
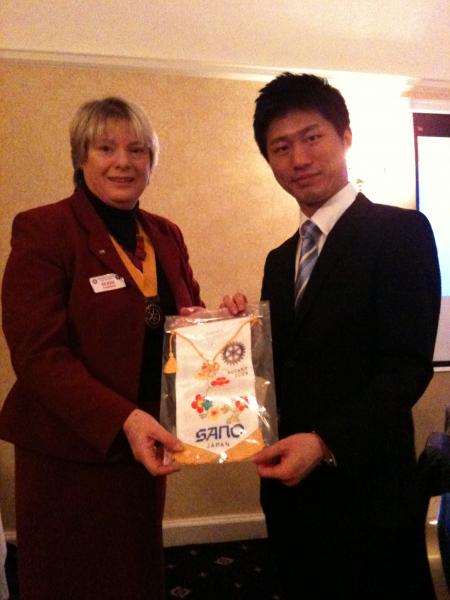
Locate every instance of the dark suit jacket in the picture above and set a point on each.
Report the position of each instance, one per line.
(357, 356)
(77, 354)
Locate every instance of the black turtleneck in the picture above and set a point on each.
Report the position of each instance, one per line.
(121, 224)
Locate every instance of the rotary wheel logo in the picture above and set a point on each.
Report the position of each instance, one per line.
(233, 353)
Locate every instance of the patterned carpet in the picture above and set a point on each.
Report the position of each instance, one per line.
(225, 571)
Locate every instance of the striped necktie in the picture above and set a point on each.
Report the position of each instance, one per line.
(309, 251)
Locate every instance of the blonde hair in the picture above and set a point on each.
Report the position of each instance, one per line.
(90, 120)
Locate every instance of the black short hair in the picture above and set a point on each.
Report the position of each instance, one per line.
(289, 92)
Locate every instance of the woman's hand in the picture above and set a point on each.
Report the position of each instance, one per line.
(187, 311)
(147, 439)
(235, 304)
(290, 459)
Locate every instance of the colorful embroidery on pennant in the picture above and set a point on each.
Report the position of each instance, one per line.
(220, 388)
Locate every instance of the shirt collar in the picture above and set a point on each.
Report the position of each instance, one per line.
(329, 213)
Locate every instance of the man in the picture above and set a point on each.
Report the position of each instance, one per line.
(354, 304)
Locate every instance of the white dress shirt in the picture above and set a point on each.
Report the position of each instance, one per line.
(328, 215)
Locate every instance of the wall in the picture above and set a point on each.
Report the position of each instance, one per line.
(213, 183)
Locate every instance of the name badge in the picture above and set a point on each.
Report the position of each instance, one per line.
(106, 283)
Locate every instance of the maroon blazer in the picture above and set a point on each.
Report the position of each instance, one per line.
(77, 353)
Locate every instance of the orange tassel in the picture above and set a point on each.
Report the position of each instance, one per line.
(171, 364)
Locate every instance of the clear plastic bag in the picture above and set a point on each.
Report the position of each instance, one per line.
(217, 391)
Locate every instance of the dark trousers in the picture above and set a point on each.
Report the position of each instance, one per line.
(340, 559)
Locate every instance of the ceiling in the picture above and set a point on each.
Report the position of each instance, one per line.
(394, 37)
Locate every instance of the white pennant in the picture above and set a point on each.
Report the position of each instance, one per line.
(216, 401)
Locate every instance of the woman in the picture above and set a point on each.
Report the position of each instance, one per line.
(85, 289)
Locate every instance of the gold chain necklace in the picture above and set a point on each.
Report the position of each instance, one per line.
(210, 365)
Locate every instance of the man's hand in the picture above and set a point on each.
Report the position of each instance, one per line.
(235, 304)
(147, 439)
(290, 459)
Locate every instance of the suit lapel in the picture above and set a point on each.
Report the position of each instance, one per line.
(278, 287)
(100, 244)
(339, 242)
(286, 276)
